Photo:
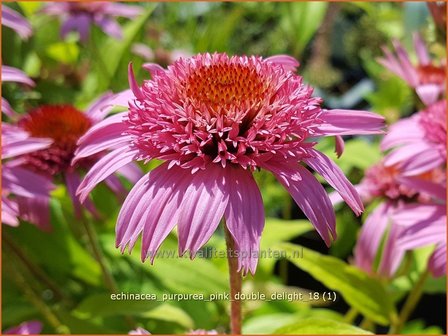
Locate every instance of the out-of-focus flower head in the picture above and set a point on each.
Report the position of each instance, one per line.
(80, 16)
(15, 21)
(159, 56)
(418, 143)
(24, 194)
(63, 125)
(407, 205)
(25, 328)
(427, 76)
(213, 120)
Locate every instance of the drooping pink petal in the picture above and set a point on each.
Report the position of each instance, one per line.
(417, 157)
(416, 216)
(35, 210)
(335, 177)
(10, 211)
(405, 131)
(244, 217)
(10, 74)
(99, 108)
(73, 181)
(437, 261)
(431, 188)
(153, 204)
(7, 109)
(392, 254)
(107, 134)
(25, 328)
(23, 182)
(348, 122)
(370, 237)
(203, 207)
(15, 21)
(103, 168)
(310, 196)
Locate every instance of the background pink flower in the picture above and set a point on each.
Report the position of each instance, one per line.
(418, 143)
(25, 328)
(427, 77)
(79, 17)
(213, 120)
(24, 194)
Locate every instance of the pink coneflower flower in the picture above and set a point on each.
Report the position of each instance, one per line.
(24, 193)
(10, 74)
(213, 120)
(426, 77)
(64, 125)
(15, 21)
(25, 328)
(79, 17)
(402, 197)
(418, 143)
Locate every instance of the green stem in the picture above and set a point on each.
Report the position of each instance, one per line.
(410, 304)
(235, 284)
(35, 299)
(109, 280)
(350, 315)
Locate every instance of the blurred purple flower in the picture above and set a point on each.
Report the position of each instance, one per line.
(426, 77)
(25, 328)
(408, 204)
(418, 143)
(213, 120)
(139, 331)
(15, 21)
(64, 125)
(25, 194)
(10, 74)
(79, 16)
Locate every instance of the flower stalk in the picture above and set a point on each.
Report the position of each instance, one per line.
(235, 285)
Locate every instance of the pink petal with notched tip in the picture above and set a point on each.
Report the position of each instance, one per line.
(244, 216)
(310, 196)
(203, 207)
(325, 167)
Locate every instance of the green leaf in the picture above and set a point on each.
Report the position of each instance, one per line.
(101, 305)
(359, 290)
(302, 21)
(322, 327)
(278, 230)
(170, 313)
(116, 62)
